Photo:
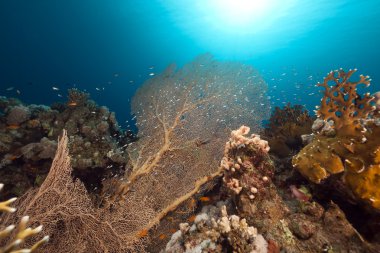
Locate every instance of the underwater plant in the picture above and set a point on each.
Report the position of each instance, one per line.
(347, 141)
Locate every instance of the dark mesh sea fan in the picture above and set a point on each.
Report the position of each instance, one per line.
(65, 210)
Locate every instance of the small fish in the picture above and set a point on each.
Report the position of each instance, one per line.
(192, 203)
(59, 95)
(13, 127)
(142, 233)
(12, 157)
(299, 194)
(18, 92)
(162, 236)
(72, 104)
(204, 199)
(116, 75)
(97, 88)
(10, 88)
(191, 218)
(151, 74)
(172, 230)
(55, 88)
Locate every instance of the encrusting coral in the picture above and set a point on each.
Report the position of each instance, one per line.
(347, 140)
(238, 164)
(216, 231)
(10, 241)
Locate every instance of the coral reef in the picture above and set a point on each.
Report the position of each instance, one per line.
(285, 129)
(347, 140)
(183, 118)
(286, 223)
(10, 242)
(216, 231)
(28, 136)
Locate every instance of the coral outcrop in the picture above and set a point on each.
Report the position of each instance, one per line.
(284, 223)
(285, 129)
(28, 135)
(214, 230)
(347, 139)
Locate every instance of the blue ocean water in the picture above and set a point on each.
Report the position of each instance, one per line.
(110, 47)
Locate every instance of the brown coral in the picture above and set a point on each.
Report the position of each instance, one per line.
(353, 149)
(285, 129)
(341, 102)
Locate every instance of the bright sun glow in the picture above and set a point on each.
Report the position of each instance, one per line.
(239, 13)
(248, 27)
(241, 17)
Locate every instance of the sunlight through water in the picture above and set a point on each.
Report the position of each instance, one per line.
(248, 27)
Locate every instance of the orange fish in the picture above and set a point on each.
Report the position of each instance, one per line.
(12, 157)
(192, 203)
(162, 236)
(13, 127)
(72, 104)
(191, 218)
(204, 199)
(142, 233)
(172, 230)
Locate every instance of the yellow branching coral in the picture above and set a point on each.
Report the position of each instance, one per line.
(22, 233)
(342, 104)
(354, 149)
